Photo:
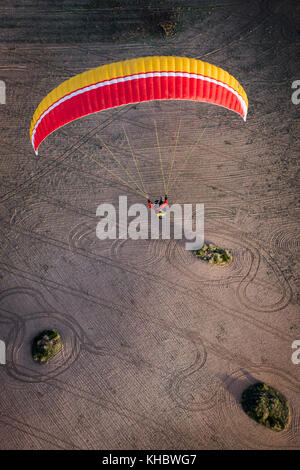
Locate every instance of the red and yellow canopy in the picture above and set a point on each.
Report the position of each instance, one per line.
(133, 81)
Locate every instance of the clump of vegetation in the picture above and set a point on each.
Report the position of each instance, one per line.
(46, 345)
(128, 20)
(163, 22)
(266, 406)
(214, 255)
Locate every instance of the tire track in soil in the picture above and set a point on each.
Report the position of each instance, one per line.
(222, 353)
(178, 379)
(37, 433)
(286, 238)
(27, 184)
(259, 253)
(200, 271)
(16, 371)
(79, 337)
(265, 12)
(144, 254)
(148, 275)
(233, 274)
(17, 375)
(111, 404)
(25, 374)
(16, 340)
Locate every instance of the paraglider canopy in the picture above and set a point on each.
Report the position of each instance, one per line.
(134, 81)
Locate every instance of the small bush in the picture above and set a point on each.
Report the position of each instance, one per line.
(46, 345)
(266, 406)
(214, 255)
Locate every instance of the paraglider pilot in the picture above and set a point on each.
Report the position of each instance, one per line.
(159, 206)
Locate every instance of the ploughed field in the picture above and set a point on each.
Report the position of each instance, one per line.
(157, 344)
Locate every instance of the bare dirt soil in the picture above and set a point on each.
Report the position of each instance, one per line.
(157, 345)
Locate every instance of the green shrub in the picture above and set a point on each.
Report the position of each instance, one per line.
(46, 345)
(214, 255)
(266, 406)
